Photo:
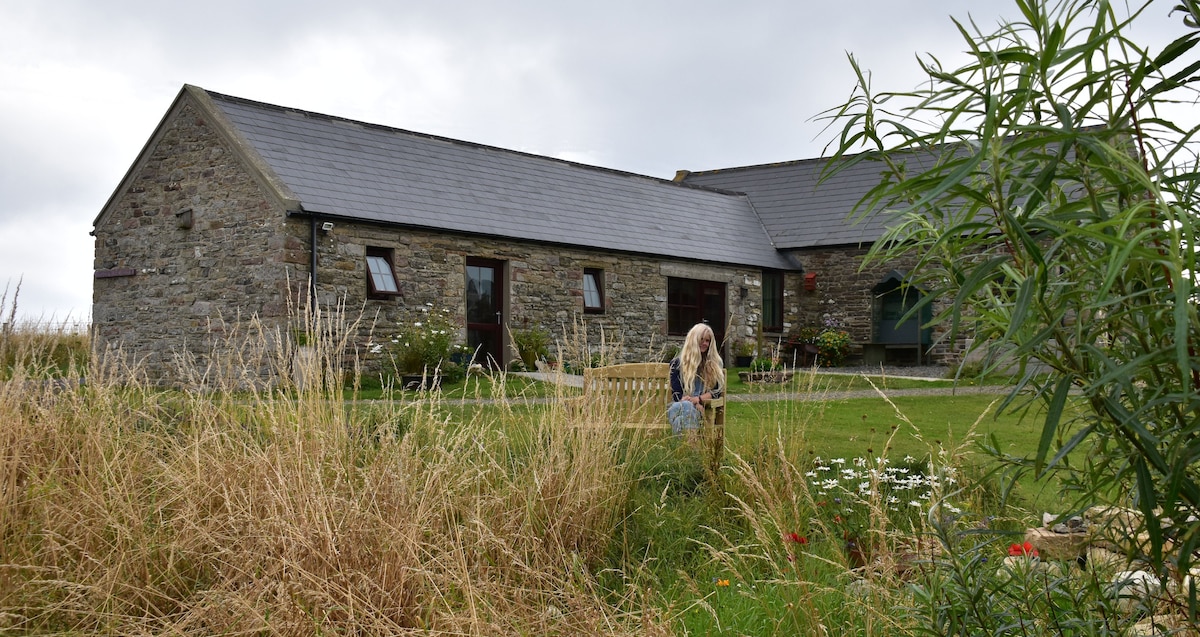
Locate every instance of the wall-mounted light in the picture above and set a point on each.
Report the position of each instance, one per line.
(327, 226)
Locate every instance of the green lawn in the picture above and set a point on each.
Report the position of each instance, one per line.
(823, 423)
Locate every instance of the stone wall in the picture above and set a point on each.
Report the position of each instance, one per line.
(545, 287)
(191, 246)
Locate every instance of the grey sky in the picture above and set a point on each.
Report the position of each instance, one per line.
(647, 87)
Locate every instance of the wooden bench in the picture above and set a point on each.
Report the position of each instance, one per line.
(636, 396)
(878, 353)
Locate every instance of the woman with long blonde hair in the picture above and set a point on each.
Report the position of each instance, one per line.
(697, 377)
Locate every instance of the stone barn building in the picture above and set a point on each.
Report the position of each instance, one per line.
(236, 209)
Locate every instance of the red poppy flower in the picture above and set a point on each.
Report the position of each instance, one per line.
(796, 538)
(1025, 549)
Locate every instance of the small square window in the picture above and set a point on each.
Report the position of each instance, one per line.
(593, 290)
(381, 279)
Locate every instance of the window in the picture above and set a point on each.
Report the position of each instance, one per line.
(690, 301)
(772, 303)
(593, 290)
(381, 279)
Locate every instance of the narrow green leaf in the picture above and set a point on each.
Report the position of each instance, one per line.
(1050, 426)
(1147, 502)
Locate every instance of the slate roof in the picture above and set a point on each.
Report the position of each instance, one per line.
(343, 168)
(797, 211)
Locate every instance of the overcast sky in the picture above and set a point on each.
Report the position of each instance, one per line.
(643, 86)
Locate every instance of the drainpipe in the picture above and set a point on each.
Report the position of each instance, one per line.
(312, 264)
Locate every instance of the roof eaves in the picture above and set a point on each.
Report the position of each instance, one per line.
(313, 214)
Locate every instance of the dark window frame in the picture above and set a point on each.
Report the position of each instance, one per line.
(597, 276)
(373, 291)
(772, 300)
(681, 316)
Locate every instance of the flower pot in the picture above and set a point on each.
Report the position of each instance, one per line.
(742, 361)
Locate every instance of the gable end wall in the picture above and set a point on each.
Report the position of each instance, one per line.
(189, 284)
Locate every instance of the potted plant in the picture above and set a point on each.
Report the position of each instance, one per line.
(743, 353)
(802, 346)
(833, 345)
(765, 364)
(532, 345)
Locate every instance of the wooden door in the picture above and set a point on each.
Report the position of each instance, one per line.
(485, 311)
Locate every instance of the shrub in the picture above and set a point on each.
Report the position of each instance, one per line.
(765, 364)
(833, 346)
(1061, 224)
(427, 343)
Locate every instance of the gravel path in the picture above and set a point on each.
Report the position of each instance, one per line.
(866, 393)
(932, 372)
(925, 372)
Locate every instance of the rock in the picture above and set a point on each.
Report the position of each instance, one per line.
(1183, 586)
(1118, 520)
(1019, 562)
(1157, 625)
(1057, 546)
(1100, 559)
(1074, 524)
(1134, 589)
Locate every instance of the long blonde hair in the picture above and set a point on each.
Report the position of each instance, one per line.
(709, 367)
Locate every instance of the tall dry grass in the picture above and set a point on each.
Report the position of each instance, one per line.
(255, 499)
(237, 506)
(39, 350)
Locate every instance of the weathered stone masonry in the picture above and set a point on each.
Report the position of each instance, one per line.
(545, 285)
(194, 244)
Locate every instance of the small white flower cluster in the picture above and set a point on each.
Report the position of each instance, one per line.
(857, 484)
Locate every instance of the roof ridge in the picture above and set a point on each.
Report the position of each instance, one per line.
(776, 164)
